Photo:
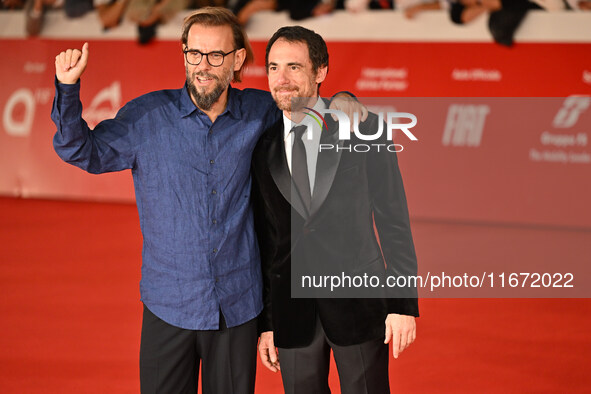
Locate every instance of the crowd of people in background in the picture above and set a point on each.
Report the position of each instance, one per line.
(504, 16)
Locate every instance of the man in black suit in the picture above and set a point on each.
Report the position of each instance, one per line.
(315, 211)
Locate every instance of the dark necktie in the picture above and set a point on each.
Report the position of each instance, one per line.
(299, 165)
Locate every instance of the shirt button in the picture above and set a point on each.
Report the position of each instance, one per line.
(214, 221)
(217, 280)
(214, 192)
(215, 250)
(211, 161)
(210, 131)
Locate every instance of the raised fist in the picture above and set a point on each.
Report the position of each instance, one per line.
(70, 64)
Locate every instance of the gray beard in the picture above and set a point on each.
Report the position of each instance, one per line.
(206, 101)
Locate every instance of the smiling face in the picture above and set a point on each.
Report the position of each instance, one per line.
(291, 75)
(208, 85)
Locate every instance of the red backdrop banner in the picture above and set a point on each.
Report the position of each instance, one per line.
(478, 158)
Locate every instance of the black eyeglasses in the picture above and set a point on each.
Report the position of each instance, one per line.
(215, 58)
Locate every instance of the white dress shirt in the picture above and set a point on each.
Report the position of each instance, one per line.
(311, 140)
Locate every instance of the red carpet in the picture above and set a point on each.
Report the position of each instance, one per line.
(71, 314)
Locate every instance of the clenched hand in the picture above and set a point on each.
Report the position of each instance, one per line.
(70, 64)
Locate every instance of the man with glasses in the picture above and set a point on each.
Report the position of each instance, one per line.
(190, 151)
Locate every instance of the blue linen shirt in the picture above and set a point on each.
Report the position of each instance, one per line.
(192, 187)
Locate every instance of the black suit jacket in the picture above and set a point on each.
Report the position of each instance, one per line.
(351, 191)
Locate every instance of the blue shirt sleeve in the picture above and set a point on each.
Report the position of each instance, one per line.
(109, 147)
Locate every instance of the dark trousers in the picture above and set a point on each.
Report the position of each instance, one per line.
(363, 368)
(170, 358)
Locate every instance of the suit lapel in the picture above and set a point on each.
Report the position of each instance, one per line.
(277, 163)
(326, 165)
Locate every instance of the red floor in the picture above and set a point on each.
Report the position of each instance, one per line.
(70, 309)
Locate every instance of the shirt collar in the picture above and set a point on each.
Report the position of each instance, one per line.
(288, 124)
(186, 105)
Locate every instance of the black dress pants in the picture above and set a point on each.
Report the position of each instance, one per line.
(362, 369)
(170, 358)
